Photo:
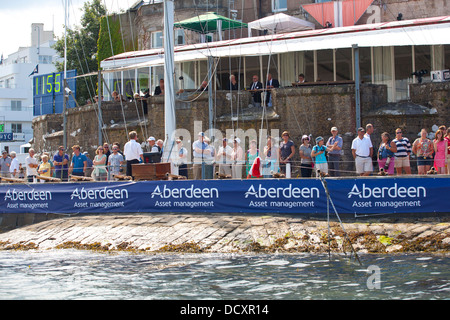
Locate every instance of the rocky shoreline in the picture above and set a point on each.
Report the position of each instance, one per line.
(222, 233)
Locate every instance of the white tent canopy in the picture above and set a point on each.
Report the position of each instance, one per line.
(280, 23)
(430, 31)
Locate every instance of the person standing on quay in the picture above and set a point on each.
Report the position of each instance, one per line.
(402, 154)
(31, 165)
(79, 162)
(423, 149)
(441, 154)
(5, 164)
(14, 168)
(306, 165)
(133, 152)
(334, 144)
(286, 151)
(362, 150)
(61, 162)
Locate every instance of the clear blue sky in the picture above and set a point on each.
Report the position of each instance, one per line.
(16, 17)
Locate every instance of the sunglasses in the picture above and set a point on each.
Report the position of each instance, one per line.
(398, 132)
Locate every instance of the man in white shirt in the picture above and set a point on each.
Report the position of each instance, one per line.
(132, 152)
(14, 168)
(224, 158)
(362, 151)
(32, 165)
(201, 153)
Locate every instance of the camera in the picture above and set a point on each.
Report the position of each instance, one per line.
(419, 74)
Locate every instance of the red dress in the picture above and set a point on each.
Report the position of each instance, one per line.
(439, 158)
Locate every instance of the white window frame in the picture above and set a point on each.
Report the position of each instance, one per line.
(276, 6)
(154, 37)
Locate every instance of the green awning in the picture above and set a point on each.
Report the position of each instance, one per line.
(208, 22)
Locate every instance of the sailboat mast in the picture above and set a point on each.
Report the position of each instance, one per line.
(65, 77)
(169, 72)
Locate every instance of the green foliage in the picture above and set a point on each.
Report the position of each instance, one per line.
(82, 49)
(111, 41)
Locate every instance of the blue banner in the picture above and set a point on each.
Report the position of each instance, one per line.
(293, 196)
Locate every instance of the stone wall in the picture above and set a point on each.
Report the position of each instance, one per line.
(306, 110)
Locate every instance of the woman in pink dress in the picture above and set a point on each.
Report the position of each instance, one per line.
(441, 149)
(447, 137)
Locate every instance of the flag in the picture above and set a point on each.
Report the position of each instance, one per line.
(255, 170)
(36, 70)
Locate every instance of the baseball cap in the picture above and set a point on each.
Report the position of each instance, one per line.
(151, 139)
(334, 129)
(319, 139)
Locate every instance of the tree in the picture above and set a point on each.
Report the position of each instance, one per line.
(82, 49)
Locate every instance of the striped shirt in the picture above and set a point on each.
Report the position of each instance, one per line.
(403, 147)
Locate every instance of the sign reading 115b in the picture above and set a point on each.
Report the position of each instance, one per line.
(48, 92)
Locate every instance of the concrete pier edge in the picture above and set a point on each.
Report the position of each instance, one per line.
(227, 233)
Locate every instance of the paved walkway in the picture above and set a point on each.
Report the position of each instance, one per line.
(225, 233)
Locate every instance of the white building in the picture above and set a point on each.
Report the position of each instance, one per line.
(16, 85)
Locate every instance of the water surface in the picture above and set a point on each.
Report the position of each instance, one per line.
(72, 274)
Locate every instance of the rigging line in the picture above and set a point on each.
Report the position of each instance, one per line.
(134, 48)
(85, 59)
(325, 186)
(87, 86)
(82, 69)
(84, 54)
(290, 108)
(129, 71)
(209, 81)
(112, 52)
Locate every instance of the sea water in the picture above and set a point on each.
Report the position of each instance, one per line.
(74, 274)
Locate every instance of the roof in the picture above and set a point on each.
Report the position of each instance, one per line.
(208, 22)
(429, 31)
(280, 23)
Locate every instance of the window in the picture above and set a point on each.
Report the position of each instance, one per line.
(16, 105)
(45, 59)
(325, 71)
(157, 39)
(16, 127)
(403, 70)
(179, 37)
(279, 5)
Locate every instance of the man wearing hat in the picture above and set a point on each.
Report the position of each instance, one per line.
(335, 143)
(5, 164)
(362, 151)
(153, 146)
(224, 157)
(318, 152)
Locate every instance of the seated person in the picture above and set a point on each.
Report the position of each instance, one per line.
(117, 97)
(159, 90)
(233, 85)
(270, 84)
(256, 96)
(204, 86)
(301, 78)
